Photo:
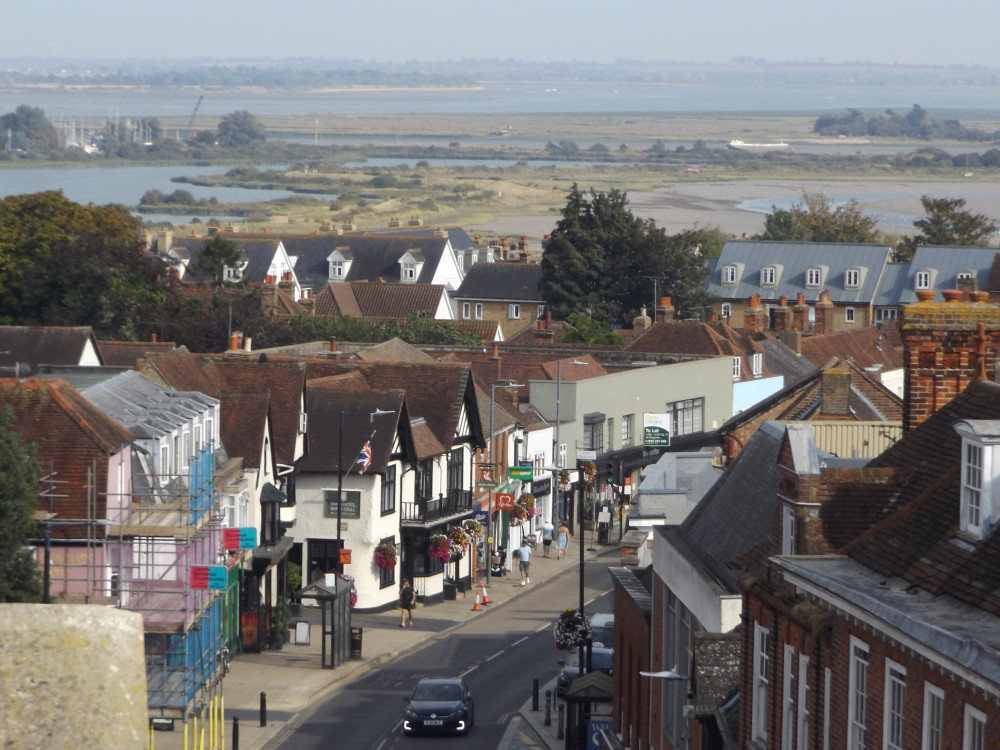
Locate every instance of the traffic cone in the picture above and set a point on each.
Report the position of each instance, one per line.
(486, 597)
(476, 607)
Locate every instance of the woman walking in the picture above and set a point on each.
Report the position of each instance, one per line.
(407, 601)
(562, 541)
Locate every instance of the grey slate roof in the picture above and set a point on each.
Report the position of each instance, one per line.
(517, 282)
(676, 479)
(258, 254)
(793, 259)
(945, 263)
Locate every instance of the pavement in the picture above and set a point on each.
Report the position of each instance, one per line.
(295, 681)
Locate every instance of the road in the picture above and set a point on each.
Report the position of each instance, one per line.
(499, 654)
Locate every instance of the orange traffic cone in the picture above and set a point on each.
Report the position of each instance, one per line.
(479, 599)
(486, 597)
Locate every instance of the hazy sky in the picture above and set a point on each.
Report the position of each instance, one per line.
(959, 32)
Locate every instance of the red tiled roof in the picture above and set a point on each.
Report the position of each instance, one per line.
(180, 370)
(867, 346)
(242, 424)
(128, 353)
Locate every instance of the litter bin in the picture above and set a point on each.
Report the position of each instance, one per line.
(450, 590)
(603, 532)
(356, 642)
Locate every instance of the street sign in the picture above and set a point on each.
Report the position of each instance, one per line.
(524, 473)
(505, 501)
(585, 455)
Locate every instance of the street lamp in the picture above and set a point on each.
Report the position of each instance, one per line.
(556, 459)
(340, 469)
(489, 462)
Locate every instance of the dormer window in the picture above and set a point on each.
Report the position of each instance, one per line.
(814, 277)
(339, 264)
(922, 279)
(729, 275)
(852, 278)
(768, 276)
(234, 273)
(757, 364)
(410, 265)
(979, 510)
(727, 310)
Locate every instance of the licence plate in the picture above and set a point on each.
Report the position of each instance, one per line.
(433, 722)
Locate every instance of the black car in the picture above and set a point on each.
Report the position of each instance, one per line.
(601, 660)
(439, 705)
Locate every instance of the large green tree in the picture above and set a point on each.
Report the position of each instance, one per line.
(217, 254)
(601, 260)
(241, 129)
(947, 222)
(18, 500)
(816, 219)
(30, 130)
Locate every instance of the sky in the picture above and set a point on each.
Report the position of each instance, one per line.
(959, 32)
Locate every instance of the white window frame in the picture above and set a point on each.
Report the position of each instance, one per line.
(932, 732)
(561, 457)
(729, 275)
(850, 315)
(788, 530)
(857, 695)
(768, 276)
(737, 367)
(539, 312)
(466, 310)
(761, 669)
(973, 471)
(198, 441)
(814, 277)
(922, 279)
(789, 694)
(802, 722)
(852, 278)
(336, 269)
(757, 364)
(973, 729)
(209, 432)
(894, 707)
(479, 311)
(514, 311)
(727, 310)
(627, 421)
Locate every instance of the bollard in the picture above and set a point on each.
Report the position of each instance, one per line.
(548, 708)
(263, 709)
(236, 733)
(534, 694)
(560, 732)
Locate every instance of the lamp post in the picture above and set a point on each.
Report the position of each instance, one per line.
(556, 459)
(340, 470)
(489, 462)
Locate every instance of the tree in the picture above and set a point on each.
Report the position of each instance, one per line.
(948, 223)
(599, 257)
(816, 220)
(18, 493)
(241, 129)
(30, 130)
(216, 255)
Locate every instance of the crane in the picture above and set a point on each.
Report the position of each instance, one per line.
(187, 130)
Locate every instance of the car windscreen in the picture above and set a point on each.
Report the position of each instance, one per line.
(605, 635)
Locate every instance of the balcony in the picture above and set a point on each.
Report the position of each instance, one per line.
(429, 510)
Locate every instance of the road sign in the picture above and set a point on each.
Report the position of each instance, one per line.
(524, 473)
(505, 501)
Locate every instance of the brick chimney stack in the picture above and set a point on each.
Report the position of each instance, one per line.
(835, 388)
(642, 322)
(754, 317)
(824, 313)
(781, 315)
(945, 346)
(800, 314)
(665, 312)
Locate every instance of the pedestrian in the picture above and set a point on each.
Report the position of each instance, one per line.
(407, 601)
(562, 541)
(525, 553)
(547, 529)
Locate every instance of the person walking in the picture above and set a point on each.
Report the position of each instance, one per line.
(525, 565)
(407, 601)
(562, 541)
(547, 529)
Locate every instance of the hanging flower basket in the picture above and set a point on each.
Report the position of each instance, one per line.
(589, 471)
(528, 501)
(439, 547)
(518, 515)
(564, 478)
(572, 630)
(385, 556)
(354, 590)
(473, 528)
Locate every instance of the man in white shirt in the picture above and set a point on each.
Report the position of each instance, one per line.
(525, 555)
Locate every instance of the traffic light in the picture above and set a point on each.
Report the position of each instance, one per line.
(610, 473)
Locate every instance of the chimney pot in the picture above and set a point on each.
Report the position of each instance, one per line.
(333, 344)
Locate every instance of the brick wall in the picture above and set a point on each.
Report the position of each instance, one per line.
(631, 691)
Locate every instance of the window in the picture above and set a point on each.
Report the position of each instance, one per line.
(974, 729)
(852, 278)
(187, 449)
(757, 364)
(895, 704)
(409, 272)
(688, 416)
(424, 480)
(933, 729)
(479, 311)
(814, 277)
(761, 670)
(593, 432)
(727, 310)
(197, 438)
(387, 576)
(965, 275)
(209, 432)
(788, 531)
(178, 455)
(849, 314)
(737, 367)
(466, 310)
(389, 490)
(857, 696)
(513, 311)
(729, 275)
(561, 457)
(972, 488)
(923, 280)
(802, 731)
(611, 433)
(336, 269)
(768, 275)
(886, 313)
(627, 430)
(455, 473)
(788, 695)
(540, 312)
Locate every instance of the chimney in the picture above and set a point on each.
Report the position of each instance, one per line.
(333, 345)
(836, 390)
(496, 351)
(946, 345)
(642, 322)
(152, 337)
(800, 314)
(824, 313)
(234, 342)
(542, 331)
(780, 315)
(754, 317)
(665, 310)
(247, 343)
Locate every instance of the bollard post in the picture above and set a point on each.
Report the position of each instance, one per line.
(534, 694)
(548, 708)
(236, 733)
(560, 732)
(263, 709)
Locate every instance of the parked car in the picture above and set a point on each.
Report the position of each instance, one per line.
(439, 705)
(601, 660)
(603, 625)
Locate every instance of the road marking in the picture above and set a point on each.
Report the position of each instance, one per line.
(491, 658)
(470, 669)
(519, 640)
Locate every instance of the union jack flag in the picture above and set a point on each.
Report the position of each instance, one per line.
(365, 457)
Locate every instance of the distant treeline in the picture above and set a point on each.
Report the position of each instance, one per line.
(241, 75)
(890, 124)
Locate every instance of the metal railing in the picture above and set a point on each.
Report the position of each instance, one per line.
(426, 509)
